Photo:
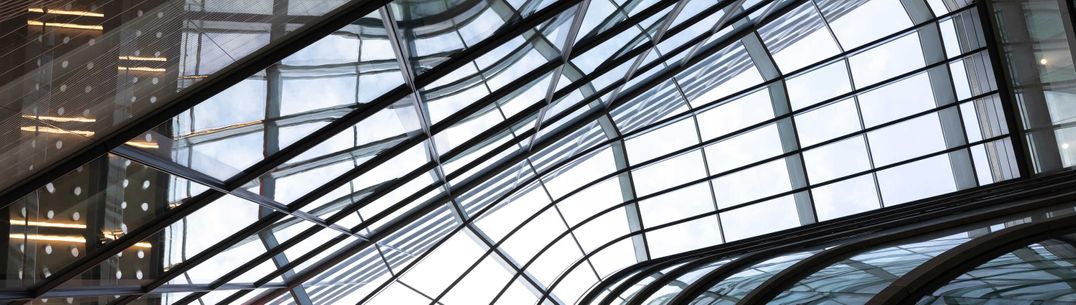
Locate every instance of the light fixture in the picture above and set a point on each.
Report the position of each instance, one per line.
(143, 144)
(48, 224)
(65, 25)
(66, 238)
(44, 129)
(140, 69)
(1043, 61)
(142, 58)
(59, 118)
(64, 12)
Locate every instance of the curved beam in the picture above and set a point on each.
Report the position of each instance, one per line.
(947, 266)
(623, 286)
(701, 285)
(997, 200)
(788, 277)
(670, 276)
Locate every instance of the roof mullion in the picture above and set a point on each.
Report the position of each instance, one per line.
(402, 55)
(469, 183)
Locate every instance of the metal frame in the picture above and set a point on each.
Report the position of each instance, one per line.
(308, 142)
(720, 272)
(200, 91)
(284, 154)
(790, 191)
(469, 183)
(1027, 195)
(458, 116)
(945, 267)
(939, 152)
(785, 279)
(634, 275)
(1001, 72)
(910, 213)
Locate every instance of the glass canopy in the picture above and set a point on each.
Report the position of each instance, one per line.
(467, 151)
(1036, 272)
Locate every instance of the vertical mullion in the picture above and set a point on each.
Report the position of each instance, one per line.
(1024, 161)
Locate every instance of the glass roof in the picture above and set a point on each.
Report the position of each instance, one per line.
(475, 151)
(1036, 271)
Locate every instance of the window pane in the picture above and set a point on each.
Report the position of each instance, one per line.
(827, 122)
(845, 197)
(682, 237)
(888, 60)
(818, 85)
(908, 139)
(916, 180)
(836, 159)
(777, 214)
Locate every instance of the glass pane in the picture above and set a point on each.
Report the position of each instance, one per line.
(737, 286)
(781, 213)
(848, 21)
(734, 115)
(756, 182)
(682, 237)
(146, 260)
(856, 279)
(916, 180)
(908, 139)
(827, 122)
(100, 65)
(98, 202)
(1038, 272)
(896, 100)
(836, 160)
(743, 149)
(818, 85)
(847, 197)
(676, 205)
(799, 38)
(887, 60)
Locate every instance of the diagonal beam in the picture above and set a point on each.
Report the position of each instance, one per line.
(351, 12)
(474, 181)
(327, 187)
(200, 91)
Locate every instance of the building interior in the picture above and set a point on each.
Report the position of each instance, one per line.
(551, 152)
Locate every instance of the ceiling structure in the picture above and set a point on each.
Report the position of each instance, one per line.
(476, 151)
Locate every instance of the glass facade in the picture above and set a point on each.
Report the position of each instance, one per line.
(493, 151)
(1035, 272)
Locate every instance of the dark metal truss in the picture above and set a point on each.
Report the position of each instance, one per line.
(515, 27)
(961, 209)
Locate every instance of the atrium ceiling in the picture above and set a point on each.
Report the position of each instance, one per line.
(474, 151)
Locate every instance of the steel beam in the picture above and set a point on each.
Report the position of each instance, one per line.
(940, 270)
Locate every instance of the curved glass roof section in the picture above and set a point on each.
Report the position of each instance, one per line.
(1036, 271)
(504, 152)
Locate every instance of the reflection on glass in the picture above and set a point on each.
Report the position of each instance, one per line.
(856, 279)
(1037, 273)
(99, 65)
(799, 38)
(73, 216)
(669, 290)
(280, 105)
(736, 286)
(146, 260)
